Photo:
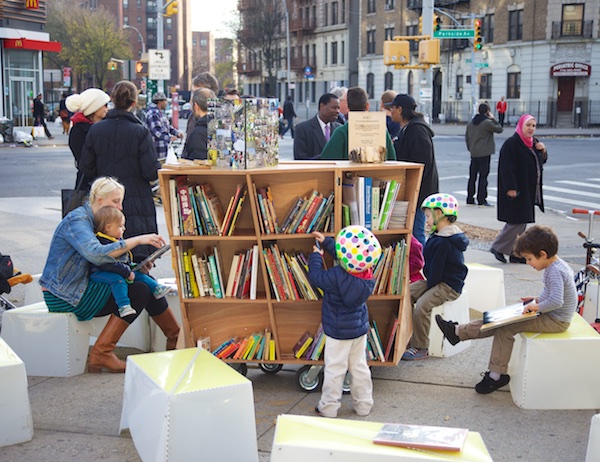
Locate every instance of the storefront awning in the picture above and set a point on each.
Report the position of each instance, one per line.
(28, 44)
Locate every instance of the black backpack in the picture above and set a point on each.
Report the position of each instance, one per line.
(6, 272)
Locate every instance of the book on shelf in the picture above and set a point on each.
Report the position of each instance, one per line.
(238, 209)
(186, 213)
(214, 276)
(304, 339)
(176, 229)
(377, 347)
(291, 214)
(241, 350)
(243, 287)
(272, 354)
(254, 272)
(505, 316)
(263, 221)
(271, 208)
(265, 352)
(422, 437)
(204, 342)
(388, 205)
(214, 206)
(198, 274)
(190, 273)
(219, 270)
(232, 275)
(233, 210)
(323, 214)
(311, 210)
(345, 215)
(375, 197)
(350, 197)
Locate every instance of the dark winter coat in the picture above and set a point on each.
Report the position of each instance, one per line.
(77, 136)
(121, 146)
(518, 168)
(444, 258)
(479, 136)
(196, 144)
(344, 310)
(414, 143)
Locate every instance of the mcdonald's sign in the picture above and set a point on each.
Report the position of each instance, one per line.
(32, 4)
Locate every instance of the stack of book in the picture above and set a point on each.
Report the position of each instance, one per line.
(398, 215)
(266, 210)
(243, 274)
(389, 271)
(314, 212)
(196, 209)
(288, 274)
(257, 346)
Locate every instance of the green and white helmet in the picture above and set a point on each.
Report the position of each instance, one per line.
(445, 202)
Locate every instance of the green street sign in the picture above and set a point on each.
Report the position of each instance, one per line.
(454, 33)
(482, 65)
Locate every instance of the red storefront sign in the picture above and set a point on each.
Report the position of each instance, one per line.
(27, 44)
(571, 69)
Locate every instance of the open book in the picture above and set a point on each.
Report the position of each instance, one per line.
(504, 316)
(153, 256)
(422, 437)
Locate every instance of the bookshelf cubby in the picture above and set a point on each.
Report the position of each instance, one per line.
(221, 319)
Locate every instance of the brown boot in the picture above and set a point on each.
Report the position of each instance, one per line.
(168, 324)
(102, 355)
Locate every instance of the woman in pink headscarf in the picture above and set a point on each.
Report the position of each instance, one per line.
(519, 186)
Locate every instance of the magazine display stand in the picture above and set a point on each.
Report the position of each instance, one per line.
(208, 319)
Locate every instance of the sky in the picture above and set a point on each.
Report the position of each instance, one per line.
(212, 15)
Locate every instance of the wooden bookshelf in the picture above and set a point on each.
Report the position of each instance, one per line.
(224, 318)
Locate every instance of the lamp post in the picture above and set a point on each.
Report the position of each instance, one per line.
(287, 32)
(127, 26)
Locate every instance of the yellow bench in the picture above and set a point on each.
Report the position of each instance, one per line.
(557, 371)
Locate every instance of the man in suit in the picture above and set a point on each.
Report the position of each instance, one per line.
(313, 134)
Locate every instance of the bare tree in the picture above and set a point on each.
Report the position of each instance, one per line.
(89, 40)
(260, 31)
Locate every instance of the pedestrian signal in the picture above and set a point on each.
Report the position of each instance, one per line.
(477, 40)
(172, 8)
(396, 52)
(429, 51)
(111, 66)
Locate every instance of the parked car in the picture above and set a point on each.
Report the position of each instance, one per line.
(186, 111)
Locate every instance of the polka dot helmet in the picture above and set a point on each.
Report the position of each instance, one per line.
(357, 249)
(445, 202)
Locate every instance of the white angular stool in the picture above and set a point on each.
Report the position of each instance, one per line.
(50, 344)
(485, 285)
(593, 447)
(16, 422)
(457, 311)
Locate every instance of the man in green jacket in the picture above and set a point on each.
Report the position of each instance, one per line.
(337, 147)
(480, 143)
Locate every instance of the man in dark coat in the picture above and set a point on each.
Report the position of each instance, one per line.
(196, 145)
(39, 116)
(121, 146)
(312, 134)
(414, 143)
(288, 114)
(202, 80)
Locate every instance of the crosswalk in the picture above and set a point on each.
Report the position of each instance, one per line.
(561, 196)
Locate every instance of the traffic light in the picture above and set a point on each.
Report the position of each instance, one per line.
(111, 65)
(477, 40)
(429, 51)
(141, 68)
(437, 23)
(396, 52)
(420, 25)
(172, 8)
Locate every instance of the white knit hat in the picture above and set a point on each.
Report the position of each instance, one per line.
(88, 101)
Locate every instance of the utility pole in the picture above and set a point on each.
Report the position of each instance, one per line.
(474, 86)
(427, 24)
(287, 32)
(160, 37)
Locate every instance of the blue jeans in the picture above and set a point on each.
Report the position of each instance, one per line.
(419, 227)
(119, 287)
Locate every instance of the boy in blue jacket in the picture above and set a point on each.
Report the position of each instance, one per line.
(445, 270)
(345, 315)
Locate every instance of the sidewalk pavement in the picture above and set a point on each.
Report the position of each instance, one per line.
(78, 417)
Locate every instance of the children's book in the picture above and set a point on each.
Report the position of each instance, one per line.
(153, 256)
(422, 437)
(504, 316)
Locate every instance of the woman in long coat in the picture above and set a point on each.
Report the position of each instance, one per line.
(519, 186)
(121, 146)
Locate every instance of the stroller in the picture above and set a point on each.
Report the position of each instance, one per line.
(9, 276)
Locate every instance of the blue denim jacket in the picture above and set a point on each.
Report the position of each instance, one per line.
(73, 247)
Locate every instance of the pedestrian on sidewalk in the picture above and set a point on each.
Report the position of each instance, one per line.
(39, 115)
(556, 305)
(160, 128)
(501, 108)
(520, 169)
(196, 146)
(345, 316)
(445, 270)
(288, 114)
(202, 80)
(480, 143)
(67, 287)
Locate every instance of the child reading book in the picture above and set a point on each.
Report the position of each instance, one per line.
(110, 226)
(345, 316)
(445, 270)
(556, 304)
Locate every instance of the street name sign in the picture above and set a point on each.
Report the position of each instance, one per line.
(159, 64)
(454, 33)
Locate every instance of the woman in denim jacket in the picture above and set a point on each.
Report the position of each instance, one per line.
(67, 288)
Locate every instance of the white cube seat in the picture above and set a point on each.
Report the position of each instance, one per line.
(16, 422)
(301, 438)
(556, 371)
(593, 447)
(457, 311)
(188, 405)
(50, 344)
(485, 285)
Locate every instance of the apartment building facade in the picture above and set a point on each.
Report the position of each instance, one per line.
(539, 54)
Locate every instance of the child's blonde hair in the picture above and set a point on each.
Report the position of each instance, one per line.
(103, 186)
(106, 216)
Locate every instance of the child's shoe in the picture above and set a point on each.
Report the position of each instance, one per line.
(126, 310)
(414, 354)
(489, 385)
(161, 291)
(448, 328)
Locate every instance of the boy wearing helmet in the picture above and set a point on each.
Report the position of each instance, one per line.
(445, 270)
(345, 316)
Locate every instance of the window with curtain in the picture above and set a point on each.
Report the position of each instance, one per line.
(513, 90)
(515, 25)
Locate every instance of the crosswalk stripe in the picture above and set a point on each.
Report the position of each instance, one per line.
(579, 183)
(574, 192)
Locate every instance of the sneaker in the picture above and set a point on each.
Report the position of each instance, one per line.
(499, 256)
(447, 328)
(488, 384)
(485, 204)
(320, 414)
(415, 354)
(126, 310)
(161, 291)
